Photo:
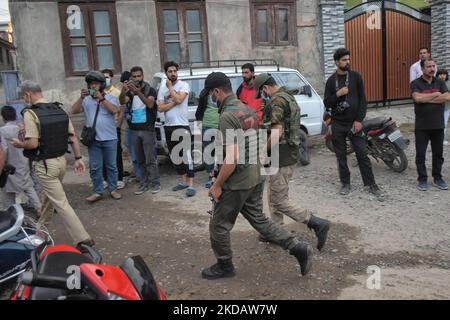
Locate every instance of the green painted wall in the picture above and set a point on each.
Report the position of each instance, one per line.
(413, 3)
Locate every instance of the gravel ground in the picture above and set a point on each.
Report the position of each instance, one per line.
(406, 236)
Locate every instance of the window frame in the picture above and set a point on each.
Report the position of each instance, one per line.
(181, 9)
(88, 10)
(273, 22)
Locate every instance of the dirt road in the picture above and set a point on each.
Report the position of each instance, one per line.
(407, 236)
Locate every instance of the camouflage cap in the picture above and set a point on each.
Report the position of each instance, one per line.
(259, 82)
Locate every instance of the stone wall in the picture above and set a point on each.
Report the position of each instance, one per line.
(440, 32)
(333, 31)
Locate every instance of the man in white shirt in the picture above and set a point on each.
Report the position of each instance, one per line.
(415, 72)
(173, 101)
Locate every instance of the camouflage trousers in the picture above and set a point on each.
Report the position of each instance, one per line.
(250, 204)
(278, 193)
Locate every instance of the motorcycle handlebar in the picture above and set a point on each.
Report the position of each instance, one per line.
(38, 280)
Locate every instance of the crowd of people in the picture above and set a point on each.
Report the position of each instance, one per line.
(237, 186)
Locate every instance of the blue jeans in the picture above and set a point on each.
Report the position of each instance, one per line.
(132, 152)
(103, 152)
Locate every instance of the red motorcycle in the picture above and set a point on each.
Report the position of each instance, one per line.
(62, 272)
(384, 141)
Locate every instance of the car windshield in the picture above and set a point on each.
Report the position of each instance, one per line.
(290, 80)
(197, 85)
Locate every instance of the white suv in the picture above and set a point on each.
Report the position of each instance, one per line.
(311, 104)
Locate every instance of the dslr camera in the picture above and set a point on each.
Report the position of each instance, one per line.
(342, 106)
(91, 92)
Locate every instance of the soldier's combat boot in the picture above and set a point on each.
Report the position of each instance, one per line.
(222, 269)
(320, 227)
(303, 252)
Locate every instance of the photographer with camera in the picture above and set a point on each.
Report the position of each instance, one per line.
(139, 98)
(345, 97)
(99, 109)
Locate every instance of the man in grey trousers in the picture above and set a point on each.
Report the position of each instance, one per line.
(141, 117)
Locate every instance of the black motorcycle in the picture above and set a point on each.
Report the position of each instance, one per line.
(384, 141)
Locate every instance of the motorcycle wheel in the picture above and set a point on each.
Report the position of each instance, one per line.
(304, 150)
(400, 161)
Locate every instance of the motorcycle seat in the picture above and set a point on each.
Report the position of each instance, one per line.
(375, 123)
(7, 219)
(56, 264)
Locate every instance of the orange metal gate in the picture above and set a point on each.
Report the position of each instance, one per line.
(384, 38)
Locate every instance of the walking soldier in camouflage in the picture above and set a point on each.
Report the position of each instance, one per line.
(281, 112)
(239, 187)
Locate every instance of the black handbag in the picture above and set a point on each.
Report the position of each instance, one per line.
(88, 133)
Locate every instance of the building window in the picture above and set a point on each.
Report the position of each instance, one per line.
(273, 22)
(93, 43)
(182, 31)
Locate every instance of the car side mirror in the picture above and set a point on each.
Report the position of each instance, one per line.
(307, 90)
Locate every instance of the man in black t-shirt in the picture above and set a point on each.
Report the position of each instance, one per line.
(345, 97)
(141, 117)
(430, 95)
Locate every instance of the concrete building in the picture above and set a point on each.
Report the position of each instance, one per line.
(6, 59)
(59, 41)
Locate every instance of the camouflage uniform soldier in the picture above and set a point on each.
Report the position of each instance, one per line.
(239, 187)
(282, 113)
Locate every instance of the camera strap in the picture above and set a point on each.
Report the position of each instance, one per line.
(347, 81)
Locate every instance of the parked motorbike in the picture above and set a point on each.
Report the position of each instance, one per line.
(384, 141)
(62, 272)
(18, 238)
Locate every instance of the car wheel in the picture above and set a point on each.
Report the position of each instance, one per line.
(304, 149)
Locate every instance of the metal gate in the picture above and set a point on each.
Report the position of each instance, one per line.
(384, 38)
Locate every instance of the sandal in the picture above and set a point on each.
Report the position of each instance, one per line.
(115, 195)
(94, 198)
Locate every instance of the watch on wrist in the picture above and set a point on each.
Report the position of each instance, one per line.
(78, 158)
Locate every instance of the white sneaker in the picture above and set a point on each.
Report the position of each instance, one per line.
(105, 185)
(120, 185)
(445, 143)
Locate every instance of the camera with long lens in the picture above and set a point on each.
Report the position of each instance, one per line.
(342, 106)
